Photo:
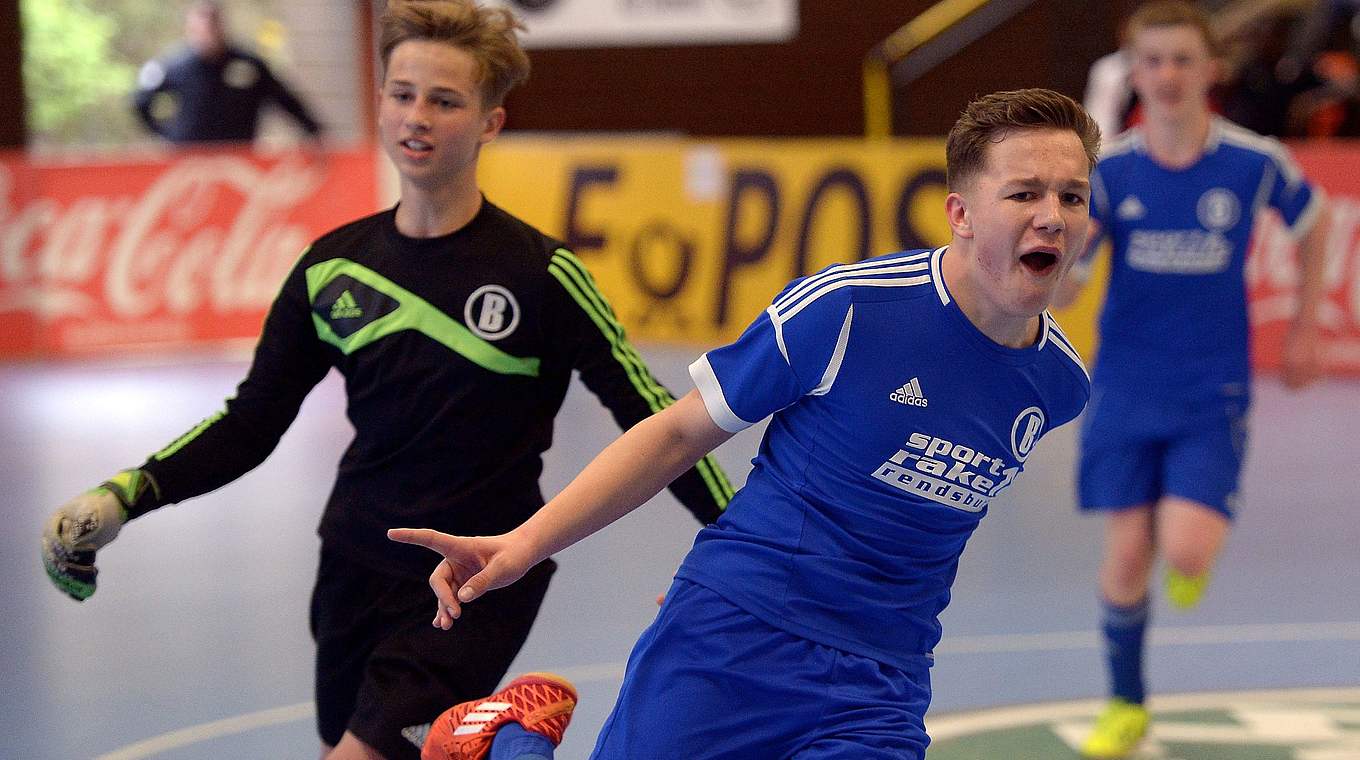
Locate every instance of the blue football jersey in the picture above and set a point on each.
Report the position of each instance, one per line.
(896, 423)
(1175, 319)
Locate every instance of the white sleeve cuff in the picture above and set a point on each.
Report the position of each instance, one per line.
(706, 382)
(1309, 217)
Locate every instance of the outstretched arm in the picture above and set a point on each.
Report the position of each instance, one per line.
(1302, 357)
(631, 470)
(291, 104)
(288, 362)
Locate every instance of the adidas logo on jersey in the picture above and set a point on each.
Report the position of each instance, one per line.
(1131, 208)
(910, 394)
(345, 307)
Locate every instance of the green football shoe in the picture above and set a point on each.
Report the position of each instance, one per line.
(1118, 730)
(1185, 591)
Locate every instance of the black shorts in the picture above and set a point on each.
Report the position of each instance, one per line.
(381, 666)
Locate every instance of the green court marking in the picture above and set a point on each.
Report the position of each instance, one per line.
(1294, 724)
(1020, 743)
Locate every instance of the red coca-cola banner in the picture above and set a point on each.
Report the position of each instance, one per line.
(1272, 268)
(185, 250)
(191, 249)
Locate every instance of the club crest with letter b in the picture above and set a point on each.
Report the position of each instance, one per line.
(1025, 432)
(491, 312)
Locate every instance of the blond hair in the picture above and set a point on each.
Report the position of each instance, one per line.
(487, 34)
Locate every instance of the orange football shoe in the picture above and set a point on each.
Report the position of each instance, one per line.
(540, 702)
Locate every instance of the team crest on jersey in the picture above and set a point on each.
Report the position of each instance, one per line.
(1131, 208)
(1025, 432)
(491, 312)
(1218, 210)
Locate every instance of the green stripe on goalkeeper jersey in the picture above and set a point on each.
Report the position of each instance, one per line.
(578, 283)
(188, 437)
(132, 485)
(414, 313)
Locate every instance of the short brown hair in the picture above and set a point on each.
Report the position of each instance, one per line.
(990, 118)
(488, 34)
(1173, 13)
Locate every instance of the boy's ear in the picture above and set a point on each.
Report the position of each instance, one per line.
(960, 219)
(495, 120)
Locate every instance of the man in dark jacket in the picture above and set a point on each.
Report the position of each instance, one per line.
(211, 90)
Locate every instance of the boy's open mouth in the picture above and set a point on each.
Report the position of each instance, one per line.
(1039, 262)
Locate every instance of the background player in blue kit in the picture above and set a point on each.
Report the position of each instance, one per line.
(907, 392)
(1165, 433)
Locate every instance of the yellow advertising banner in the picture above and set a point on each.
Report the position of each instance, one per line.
(692, 239)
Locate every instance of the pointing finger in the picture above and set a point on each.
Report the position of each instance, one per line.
(430, 539)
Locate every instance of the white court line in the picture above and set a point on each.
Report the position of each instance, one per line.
(988, 644)
(184, 737)
(214, 730)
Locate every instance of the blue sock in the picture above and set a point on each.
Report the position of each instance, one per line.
(513, 742)
(1125, 629)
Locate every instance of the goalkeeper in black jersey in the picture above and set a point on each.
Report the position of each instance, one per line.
(456, 327)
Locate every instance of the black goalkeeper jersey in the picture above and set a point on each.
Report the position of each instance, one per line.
(456, 353)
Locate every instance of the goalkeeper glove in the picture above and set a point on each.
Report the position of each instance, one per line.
(89, 522)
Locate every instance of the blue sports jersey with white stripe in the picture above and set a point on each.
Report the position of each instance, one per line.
(895, 425)
(1177, 298)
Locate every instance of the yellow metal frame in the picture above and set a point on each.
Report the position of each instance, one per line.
(878, 64)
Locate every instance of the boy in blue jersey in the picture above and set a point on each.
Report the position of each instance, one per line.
(906, 393)
(1164, 437)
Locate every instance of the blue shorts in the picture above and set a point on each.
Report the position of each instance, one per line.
(708, 680)
(1136, 449)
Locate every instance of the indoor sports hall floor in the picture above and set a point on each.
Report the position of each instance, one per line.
(196, 645)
